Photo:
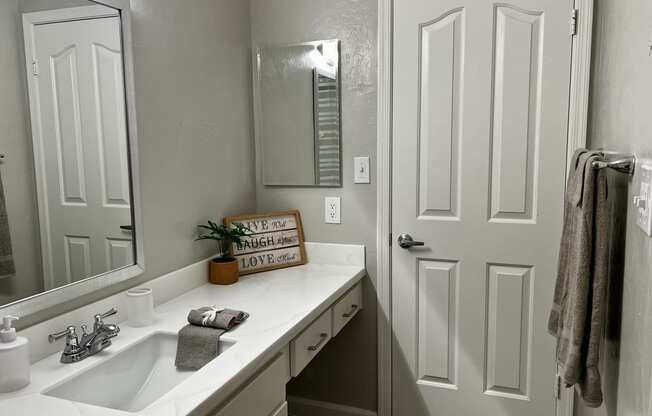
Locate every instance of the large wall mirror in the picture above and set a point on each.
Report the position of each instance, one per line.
(298, 114)
(68, 210)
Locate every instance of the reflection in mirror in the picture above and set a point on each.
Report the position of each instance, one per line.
(65, 208)
(300, 83)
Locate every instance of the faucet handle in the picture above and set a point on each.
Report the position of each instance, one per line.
(108, 313)
(101, 316)
(69, 333)
(83, 328)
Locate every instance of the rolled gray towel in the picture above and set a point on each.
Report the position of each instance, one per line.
(214, 317)
(197, 346)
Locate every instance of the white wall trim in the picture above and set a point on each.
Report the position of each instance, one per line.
(578, 115)
(577, 137)
(319, 408)
(580, 77)
(384, 206)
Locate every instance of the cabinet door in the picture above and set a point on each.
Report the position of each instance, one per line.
(263, 394)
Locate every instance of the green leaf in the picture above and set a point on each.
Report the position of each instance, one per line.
(224, 235)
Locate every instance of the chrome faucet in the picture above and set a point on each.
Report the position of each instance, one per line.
(90, 344)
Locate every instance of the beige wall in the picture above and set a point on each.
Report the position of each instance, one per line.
(621, 119)
(193, 93)
(17, 171)
(345, 372)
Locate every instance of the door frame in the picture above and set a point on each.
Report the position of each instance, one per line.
(577, 137)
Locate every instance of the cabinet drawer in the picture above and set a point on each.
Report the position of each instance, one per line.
(308, 344)
(346, 308)
(281, 411)
(262, 395)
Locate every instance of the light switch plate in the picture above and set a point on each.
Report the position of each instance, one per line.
(361, 169)
(643, 199)
(332, 210)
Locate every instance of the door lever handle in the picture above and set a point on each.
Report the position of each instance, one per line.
(406, 241)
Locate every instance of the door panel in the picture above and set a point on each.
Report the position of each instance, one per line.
(67, 126)
(119, 253)
(440, 120)
(437, 306)
(480, 113)
(516, 110)
(78, 257)
(112, 129)
(508, 324)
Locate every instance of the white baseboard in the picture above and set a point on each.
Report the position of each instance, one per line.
(306, 407)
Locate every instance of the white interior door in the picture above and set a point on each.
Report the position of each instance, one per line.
(77, 95)
(480, 115)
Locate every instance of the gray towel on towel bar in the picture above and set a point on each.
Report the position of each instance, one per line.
(577, 316)
(7, 267)
(198, 342)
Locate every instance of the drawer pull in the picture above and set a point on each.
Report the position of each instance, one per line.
(350, 314)
(322, 338)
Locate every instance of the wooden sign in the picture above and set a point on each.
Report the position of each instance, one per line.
(276, 242)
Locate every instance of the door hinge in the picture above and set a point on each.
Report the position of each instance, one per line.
(35, 68)
(575, 13)
(558, 388)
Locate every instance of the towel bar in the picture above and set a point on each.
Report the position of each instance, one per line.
(617, 161)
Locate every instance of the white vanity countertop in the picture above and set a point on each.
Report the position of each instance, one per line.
(281, 303)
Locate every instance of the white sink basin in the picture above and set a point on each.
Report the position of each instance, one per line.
(132, 379)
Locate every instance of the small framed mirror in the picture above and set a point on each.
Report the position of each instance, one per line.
(70, 202)
(297, 95)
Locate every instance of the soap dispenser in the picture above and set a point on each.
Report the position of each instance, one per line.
(14, 357)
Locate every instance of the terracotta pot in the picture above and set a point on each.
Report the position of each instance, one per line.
(223, 271)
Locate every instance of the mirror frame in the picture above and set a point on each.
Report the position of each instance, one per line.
(45, 300)
(259, 137)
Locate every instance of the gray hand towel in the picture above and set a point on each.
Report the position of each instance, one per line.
(575, 175)
(197, 346)
(215, 317)
(198, 343)
(577, 316)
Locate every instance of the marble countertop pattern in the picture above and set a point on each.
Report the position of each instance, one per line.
(281, 304)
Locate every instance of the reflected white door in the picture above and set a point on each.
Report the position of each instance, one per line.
(480, 109)
(81, 148)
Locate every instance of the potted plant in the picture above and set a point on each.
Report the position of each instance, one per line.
(223, 270)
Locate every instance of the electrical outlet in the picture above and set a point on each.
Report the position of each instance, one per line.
(361, 169)
(332, 210)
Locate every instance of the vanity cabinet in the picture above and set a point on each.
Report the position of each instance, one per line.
(264, 394)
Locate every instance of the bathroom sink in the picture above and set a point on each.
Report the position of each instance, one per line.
(132, 379)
